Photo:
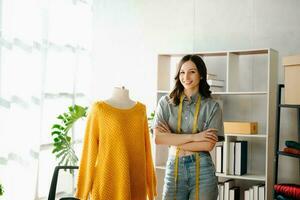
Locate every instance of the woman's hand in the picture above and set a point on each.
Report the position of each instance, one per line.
(209, 135)
(163, 127)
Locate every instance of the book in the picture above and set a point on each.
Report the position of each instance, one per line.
(219, 159)
(231, 158)
(216, 89)
(246, 195)
(221, 191)
(261, 192)
(241, 151)
(255, 192)
(215, 82)
(234, 193)
(211, 76)
(291, 150)
(227, 185)
(251, 194)
(292, 144)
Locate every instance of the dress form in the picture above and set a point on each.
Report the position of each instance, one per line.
(120, 99)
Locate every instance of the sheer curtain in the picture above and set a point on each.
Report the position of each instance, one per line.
(44, 68)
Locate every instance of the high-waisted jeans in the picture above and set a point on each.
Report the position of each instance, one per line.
(186, 181)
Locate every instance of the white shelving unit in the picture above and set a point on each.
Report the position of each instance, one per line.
(249, 94)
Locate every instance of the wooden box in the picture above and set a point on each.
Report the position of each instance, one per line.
(240, 127)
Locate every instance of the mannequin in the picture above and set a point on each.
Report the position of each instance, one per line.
(116, 141)
(120, 99)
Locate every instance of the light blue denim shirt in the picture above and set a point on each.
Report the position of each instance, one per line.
(210, 115)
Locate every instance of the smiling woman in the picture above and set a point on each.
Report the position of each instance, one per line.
(189, 121)
(189, 77)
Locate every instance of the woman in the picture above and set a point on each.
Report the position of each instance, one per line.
(189, 108)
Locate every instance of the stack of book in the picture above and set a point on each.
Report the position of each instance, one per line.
(256, 192)
(237, 162)
(238, 151)
(216, 85)
(228, 191)
(292, 147)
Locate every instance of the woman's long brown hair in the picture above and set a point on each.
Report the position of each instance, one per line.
(203, 85)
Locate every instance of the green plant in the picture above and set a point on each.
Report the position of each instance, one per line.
(1, 190)
(150, 120)
(62, 146)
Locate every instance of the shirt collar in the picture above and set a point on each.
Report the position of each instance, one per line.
(194, 97)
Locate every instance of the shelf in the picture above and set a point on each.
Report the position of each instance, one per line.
(242, 98)
(289, 106)
(251, 51)
(247, 135)
(221, 53)
(217, 53)
(240, 93)
(280, 105)
(244, 177)
(226, 93)
(287, 154)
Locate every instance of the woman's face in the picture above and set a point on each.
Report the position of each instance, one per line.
(189, 76)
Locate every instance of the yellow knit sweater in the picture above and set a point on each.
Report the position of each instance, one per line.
(116, 162)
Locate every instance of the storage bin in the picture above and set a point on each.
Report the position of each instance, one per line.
(291, 79)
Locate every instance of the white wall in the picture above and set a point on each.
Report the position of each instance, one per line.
(128, 34)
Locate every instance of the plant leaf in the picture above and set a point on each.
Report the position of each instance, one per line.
(60, 117)
(57, 126)
(56, 132)
(62, 147)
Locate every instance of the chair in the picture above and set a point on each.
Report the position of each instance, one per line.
(52, 191)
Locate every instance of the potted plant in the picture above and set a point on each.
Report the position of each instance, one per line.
(1, 190)
(62, 146)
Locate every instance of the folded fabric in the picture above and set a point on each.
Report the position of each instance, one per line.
(291, 150)
(292, 144)
(281, 197)
(288, 190)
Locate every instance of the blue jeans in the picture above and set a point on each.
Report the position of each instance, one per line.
(186, 181)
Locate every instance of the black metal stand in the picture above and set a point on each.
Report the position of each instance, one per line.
(52, 191)
(277, 129)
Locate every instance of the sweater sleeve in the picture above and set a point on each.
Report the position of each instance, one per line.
(89, 154)
(150, 170)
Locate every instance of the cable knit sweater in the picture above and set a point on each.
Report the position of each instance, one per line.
(116, 162)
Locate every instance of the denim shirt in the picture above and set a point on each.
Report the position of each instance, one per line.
(210, 115)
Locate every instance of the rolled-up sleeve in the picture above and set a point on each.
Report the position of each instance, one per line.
(161, 114)
(216, 119)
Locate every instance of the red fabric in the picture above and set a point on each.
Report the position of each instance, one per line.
(289, 190)
(291, 150)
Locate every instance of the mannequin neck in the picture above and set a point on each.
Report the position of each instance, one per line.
(120, 94)
(120, 98)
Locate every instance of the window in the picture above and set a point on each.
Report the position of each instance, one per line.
(44, 68)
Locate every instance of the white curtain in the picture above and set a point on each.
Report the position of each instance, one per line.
(44, 68)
